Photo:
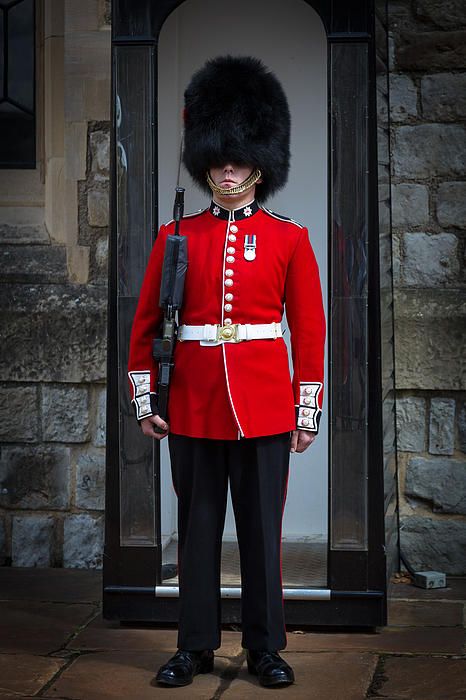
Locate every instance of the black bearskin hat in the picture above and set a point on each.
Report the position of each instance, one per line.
(236, 111)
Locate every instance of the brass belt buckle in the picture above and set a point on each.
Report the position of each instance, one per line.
(228, 333)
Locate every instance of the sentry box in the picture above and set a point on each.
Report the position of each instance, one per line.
(340, 533)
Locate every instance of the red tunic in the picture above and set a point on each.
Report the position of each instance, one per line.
(236, 389)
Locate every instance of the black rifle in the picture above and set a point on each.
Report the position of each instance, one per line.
(175, 264)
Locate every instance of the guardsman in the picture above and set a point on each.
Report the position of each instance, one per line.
(234, 411)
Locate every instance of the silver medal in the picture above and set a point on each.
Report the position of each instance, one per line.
(250, 247)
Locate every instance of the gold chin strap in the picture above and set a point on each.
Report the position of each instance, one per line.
(238, 189)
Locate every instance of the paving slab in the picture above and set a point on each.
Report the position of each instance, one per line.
(414, 613)
(418, 678)
(57, 585)
(102, 635)
(113, 675)
(20, 697)
(24, 673)
(412, 640)
(454, 590)
(39, 628)
(325, 676)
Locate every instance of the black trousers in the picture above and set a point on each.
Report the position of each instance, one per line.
(258, 472)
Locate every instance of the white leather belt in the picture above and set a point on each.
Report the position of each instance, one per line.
(215, 334)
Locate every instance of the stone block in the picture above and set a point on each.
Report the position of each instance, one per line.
(90, 481)
(442, 427)
(462, 428)
(83, 542)
(391, 51)
(382, 101)
(75, 149)
(430, 336)
(82, 16)
(97, 95)
(430, 51)
(396, 257)
(429, 150)
(61, 331)
(3, 551)
(78, 263)
(99, 142)
(33, 264)
(19, 420)
(383, 156)
(97, 207)
(105, 13)
(441, 481)
(443, 97)
(53, 69)
(89, 98)
(101, 254)
(32, 540)
(88, 55)
(449, 14)
(20, 234)
(430, 260)
(411, 424)
(101, 417)
(35, 477)
(403, 98)
(451, 204)
(65, 413)
(436, 544)
(20, 212)
(410, 205)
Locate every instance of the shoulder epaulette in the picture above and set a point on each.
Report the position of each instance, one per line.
(280, 217)
(188, 216)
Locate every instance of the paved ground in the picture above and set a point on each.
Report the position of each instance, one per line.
(54, 644)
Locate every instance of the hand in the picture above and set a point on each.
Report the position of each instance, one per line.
(147, 427)
(301, 439)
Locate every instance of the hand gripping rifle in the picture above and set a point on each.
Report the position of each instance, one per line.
(175, 264)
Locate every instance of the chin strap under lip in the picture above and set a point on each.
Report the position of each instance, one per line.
(238, 189)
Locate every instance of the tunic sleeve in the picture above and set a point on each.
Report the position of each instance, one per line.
(306, 320)
(142, 368)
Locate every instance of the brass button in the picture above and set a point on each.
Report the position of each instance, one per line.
(229, 296)
(234, 228)
(228, 283)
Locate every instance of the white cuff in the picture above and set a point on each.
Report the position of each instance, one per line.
(141, 390)
(308, 411)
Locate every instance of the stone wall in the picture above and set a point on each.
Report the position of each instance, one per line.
(53, 306)
(428, 134)
(53, 301)
(52, 391)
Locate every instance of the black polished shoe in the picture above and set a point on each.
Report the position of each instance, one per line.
(270, 667)
(184, 665)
